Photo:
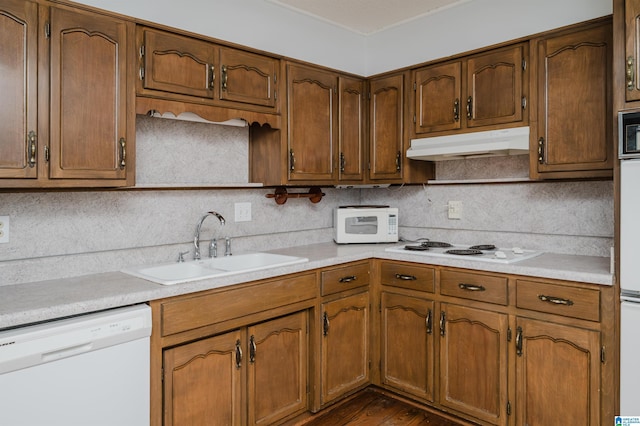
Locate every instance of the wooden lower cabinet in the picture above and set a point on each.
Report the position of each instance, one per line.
(557, 374)
(407, 351)
(345, 345)
(255, 375)
(473, 362)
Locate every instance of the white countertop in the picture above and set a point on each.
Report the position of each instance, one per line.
(45, 300)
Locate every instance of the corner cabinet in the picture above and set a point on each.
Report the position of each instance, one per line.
(572, 135)
(345, 344)
(66, 131)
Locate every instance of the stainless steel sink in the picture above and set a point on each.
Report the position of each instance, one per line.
(182, 272)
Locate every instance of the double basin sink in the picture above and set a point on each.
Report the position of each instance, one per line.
(181, 272)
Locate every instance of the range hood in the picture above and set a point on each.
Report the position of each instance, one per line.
(514, 141)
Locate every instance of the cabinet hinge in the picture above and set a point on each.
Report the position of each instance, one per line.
(524, 64)
(141, 51)
(415, 86)
(275, 95)
(414, 118)
(524, 102)
(508, 334)
(602, 355)
(275, 78)
(141, 74)
(369, 95)
(47, 30)
(508, 408)
(46, 153)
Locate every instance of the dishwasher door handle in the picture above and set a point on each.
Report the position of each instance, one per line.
(67, 352)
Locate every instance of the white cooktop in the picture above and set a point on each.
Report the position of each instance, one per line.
(497, 255)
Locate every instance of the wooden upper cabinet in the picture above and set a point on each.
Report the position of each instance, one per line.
(386, 147)
(177, 64)
(438, 91)
(19, 88)
(172, 64)
(247, 77)
(495, 87)
(351, 128)
(312, 111)
(573, 133)
(89, 119)
(632, 50)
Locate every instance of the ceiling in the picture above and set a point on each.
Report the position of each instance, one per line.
(367, 16)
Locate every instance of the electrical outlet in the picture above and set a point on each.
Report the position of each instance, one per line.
(455, 210)
(4, 229)
(243, 212)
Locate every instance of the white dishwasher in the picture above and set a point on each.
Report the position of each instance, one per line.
(87, 370)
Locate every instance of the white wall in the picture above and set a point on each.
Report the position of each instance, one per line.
(262, 25)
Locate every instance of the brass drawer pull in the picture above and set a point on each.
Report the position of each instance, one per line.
(405, 277)
(471, 287)
(348, 279)
(252, 349)
(325, 324)
(519, 341)
(555, 300)
(630, 74)
(238, 354)
(429, 322)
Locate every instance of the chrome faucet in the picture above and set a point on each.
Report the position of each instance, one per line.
(196, 238)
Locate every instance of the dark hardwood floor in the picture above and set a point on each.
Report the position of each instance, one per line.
(373, 408)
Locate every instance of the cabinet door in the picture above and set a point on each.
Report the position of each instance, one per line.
(557, 374)
(574, 103)
(437, 98)
(351, 129)
(248, 78)
(19, 88)
(311, 111)
(407, 344)
(178, 64)
(277, 374)
(88, 96)
(386, 128)
(345, 345)
(473, 362)
(632, 50)
(494, 87)
(203, 382)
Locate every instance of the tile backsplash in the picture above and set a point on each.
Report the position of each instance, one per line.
(63, 234)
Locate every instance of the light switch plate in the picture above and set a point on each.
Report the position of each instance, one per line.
(242, 212)
(4, 229)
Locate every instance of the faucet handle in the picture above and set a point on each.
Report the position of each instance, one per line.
(181, 256)
(227, 246)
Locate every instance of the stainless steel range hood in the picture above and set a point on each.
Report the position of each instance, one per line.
(514, 141)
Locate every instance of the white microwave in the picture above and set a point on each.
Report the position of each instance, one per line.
(365, 224)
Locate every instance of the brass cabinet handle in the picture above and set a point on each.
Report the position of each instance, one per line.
(519, 341)
(342, 162)
(211, 78)
(123, 153)
(469, 107)
(32, 148)
(252, 349)
(456, 109)
(348, 279)
(471, 287)
(631, 75)
(238, 354)
(429, 321)
(398, 161)
(541, 150)
(443, 321)
(325, 324)
(292, 160)
(405, 277)
(555, 300)
(224, 77)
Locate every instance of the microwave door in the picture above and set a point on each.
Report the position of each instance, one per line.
(630, 226)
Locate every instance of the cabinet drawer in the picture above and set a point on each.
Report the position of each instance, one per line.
(408, 276)
(345, 278)
(572, 302)
(484, 288)
(198, 311)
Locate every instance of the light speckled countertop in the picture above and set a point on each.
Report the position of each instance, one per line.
(45, 300)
